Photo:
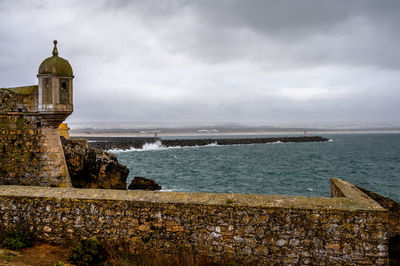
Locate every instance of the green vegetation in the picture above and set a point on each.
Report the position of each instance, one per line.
(229, 201)
(7, 256)
(88, 252)
(18, 239)
(60, 263)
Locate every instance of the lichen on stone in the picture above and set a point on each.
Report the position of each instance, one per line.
(55, 65)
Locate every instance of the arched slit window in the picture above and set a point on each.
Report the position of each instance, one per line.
(47, 94)
(64, 91)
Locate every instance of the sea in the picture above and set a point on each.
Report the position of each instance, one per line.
(371, 161)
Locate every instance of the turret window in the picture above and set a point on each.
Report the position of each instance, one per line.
(47, 95)
(64, 91)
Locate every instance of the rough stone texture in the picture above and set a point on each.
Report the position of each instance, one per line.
(258, 229)
(393, 208)
(20, 99)
(30, 154)
(93, 168)
(144, 184)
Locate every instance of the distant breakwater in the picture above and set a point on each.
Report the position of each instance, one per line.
(125, 143)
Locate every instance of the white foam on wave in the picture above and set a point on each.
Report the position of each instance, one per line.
(330, 140)
(120, 150)
(157, 146)
(153, 146)
(209, 145)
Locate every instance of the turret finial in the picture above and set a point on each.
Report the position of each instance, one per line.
(55, 51)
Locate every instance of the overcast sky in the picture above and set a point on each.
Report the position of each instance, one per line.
(204, 61)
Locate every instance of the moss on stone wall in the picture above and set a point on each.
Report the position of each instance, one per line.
(26, 90)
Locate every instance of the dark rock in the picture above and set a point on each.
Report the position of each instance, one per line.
(93, 168)
(236, 141)
(144, 184)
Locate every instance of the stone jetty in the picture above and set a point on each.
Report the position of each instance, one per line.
(125, 143)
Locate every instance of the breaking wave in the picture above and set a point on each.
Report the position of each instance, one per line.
(156, 146)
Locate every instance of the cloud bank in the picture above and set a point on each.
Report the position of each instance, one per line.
(213, 61)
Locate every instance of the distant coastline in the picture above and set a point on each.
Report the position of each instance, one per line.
(186, 133)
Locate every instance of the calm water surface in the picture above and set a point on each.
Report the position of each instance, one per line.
(368, 160)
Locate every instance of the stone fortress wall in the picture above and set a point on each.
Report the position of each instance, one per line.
(30, 153)
(349, 228)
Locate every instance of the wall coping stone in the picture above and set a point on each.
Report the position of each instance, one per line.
(33, 89)
(353, 200)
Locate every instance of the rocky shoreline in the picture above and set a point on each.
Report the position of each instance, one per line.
(93, 168)
(125, 143)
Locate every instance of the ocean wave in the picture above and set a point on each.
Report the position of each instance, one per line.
(121, 150)
(209, 145)
(153, 146)
(146, 147)
(157, 146)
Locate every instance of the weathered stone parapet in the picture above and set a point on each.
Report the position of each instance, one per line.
(18, 100)
(259, 229)
(393, 208)
(341, 188)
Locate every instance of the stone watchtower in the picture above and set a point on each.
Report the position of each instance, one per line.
(54, 106)
(31, 152)
(55, 89)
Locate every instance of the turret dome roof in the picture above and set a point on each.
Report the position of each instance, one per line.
(55, 65)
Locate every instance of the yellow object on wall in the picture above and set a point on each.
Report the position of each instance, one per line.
(64, 130)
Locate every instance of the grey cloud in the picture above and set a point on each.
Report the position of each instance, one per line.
(292, 32)
(186, 60)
